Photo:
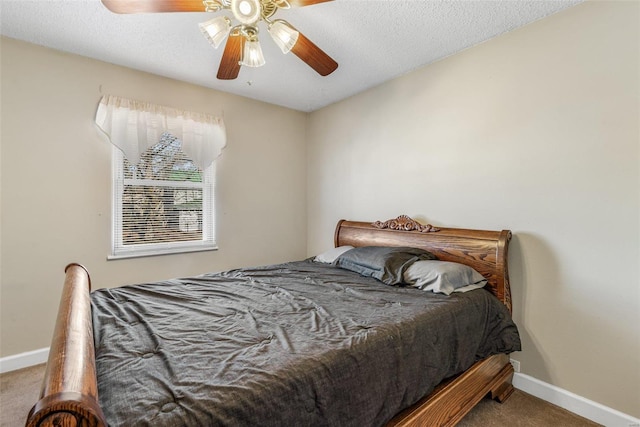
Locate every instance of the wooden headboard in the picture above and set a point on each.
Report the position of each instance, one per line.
(485, 251)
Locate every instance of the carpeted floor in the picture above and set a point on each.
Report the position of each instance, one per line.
(19, 390)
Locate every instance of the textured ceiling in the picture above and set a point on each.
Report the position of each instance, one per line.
(373, 41)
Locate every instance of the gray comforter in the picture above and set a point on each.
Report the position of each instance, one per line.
(295, 344)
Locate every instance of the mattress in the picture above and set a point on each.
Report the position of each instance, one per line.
(293, 344)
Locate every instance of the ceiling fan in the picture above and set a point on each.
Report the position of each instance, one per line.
(242, 47)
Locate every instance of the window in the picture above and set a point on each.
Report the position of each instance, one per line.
(163, 176)
(163, 204)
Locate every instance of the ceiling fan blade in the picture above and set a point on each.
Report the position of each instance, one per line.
(315, 57)
(230, 62)
(301, 3)
(152, 6)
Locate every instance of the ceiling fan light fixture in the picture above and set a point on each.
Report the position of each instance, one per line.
(252, 54)
(283, 34)
(216, 29)
(246, 11)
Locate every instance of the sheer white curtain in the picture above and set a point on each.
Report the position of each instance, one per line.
(134, 126)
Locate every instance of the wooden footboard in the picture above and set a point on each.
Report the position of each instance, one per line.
(69, 394)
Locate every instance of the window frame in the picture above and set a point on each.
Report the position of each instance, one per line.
(121, 251)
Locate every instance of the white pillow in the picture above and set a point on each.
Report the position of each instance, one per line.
(443, 277)
(329, 256)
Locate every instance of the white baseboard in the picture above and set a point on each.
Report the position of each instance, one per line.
(23, 360)
(572, 402)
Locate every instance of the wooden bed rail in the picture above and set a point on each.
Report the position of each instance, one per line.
(69, 394)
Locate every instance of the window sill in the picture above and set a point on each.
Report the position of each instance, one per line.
(159, 252)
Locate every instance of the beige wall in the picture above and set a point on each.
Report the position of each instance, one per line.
(536, 131)
(56, 171)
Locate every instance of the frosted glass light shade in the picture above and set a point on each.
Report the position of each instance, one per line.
(252, 55)
(284, 35)
(215, 30)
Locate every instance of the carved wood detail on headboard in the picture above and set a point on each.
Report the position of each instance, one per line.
(405, 223)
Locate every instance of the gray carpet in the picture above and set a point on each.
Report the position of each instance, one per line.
(19, 390)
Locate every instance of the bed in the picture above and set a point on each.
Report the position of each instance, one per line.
(342, 364)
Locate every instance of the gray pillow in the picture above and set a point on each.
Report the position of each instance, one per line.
(330, 255)
(443, 277)
(386, 264)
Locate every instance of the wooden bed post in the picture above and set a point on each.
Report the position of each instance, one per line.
(502, 258)
(69, 394)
